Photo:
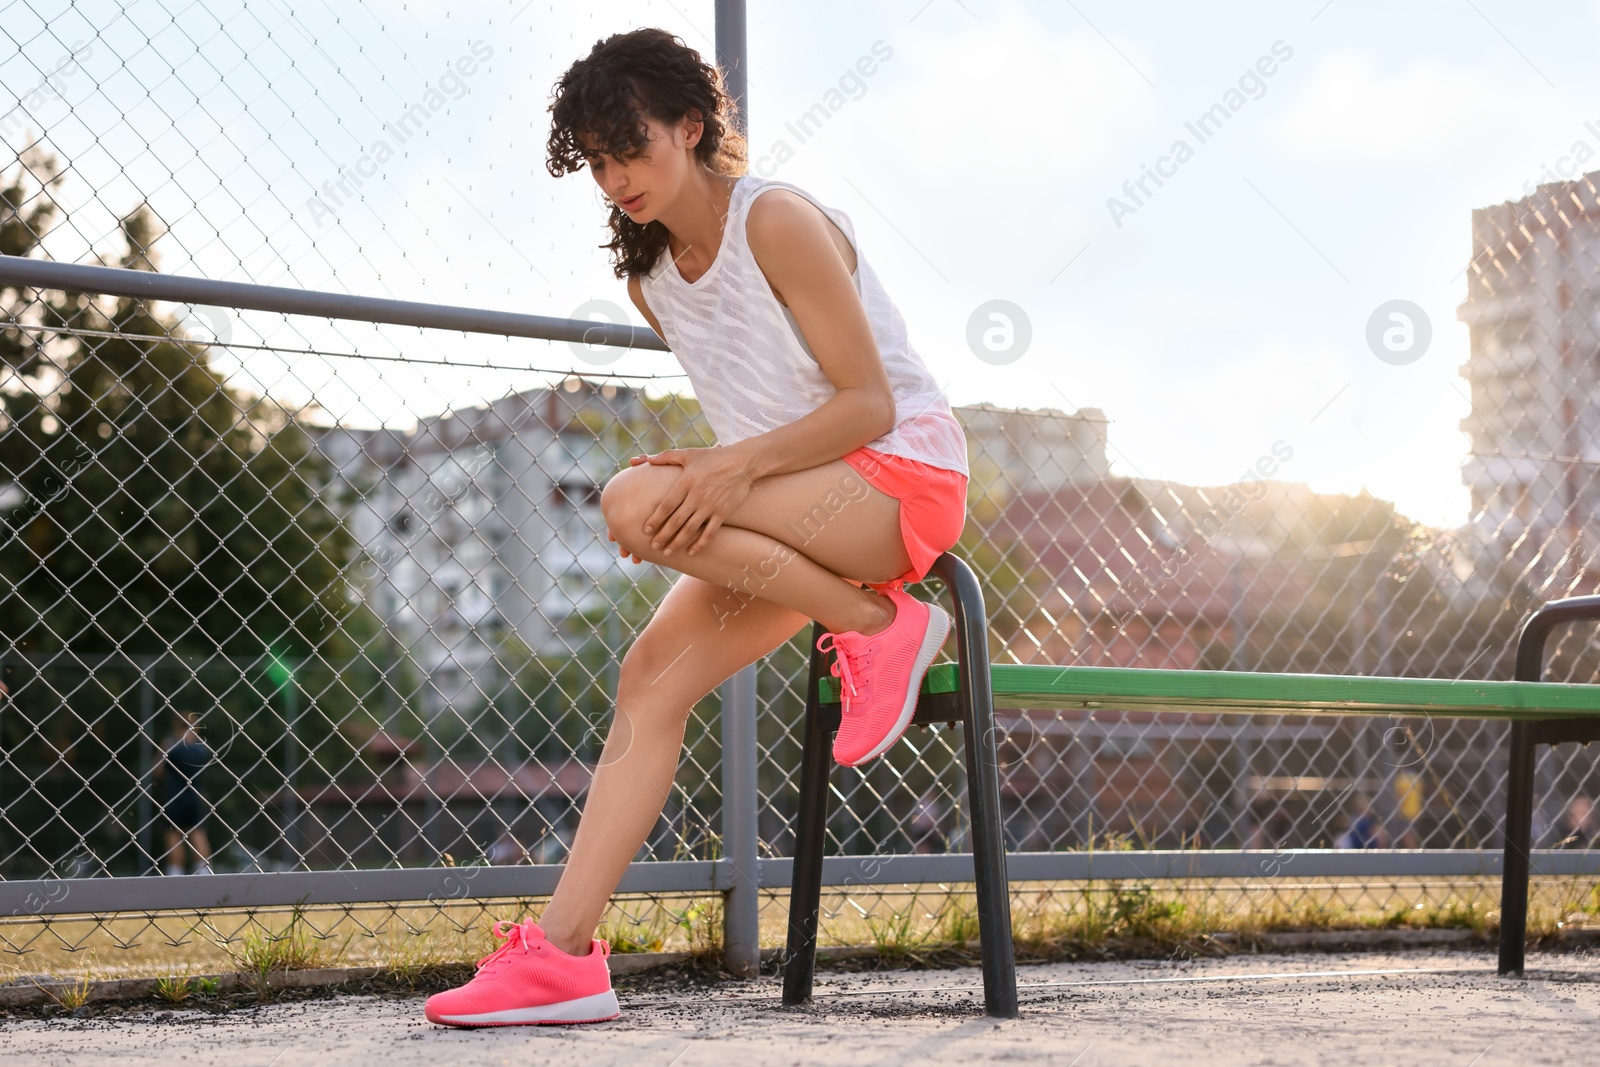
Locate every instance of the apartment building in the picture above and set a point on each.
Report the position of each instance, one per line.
(1533, 309)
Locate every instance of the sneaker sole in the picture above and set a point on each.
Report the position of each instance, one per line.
(591, 1009)
(938, 630)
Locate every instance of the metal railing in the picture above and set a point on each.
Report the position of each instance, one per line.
(365, 551)
(321, 798)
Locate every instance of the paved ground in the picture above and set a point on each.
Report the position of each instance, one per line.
(1415, 1009)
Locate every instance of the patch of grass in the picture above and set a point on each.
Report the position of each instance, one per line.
(1250, 919)
(633, 936)
(1455, 913)
(1099, 917)
(1574, 905)
(894, 938)
(295, 947)
(70, 994)
(701, 923)
(408, 959)
(958, 924)
(175, 989)
(1586, 899)
(1051, 920)
(1137, 911)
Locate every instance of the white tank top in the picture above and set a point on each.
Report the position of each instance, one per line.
(750, 366)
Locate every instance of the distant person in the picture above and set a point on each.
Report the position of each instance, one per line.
(1364, 831)
(183, 805)
(1578, 826)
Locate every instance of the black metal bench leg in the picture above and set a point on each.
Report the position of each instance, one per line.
(811, 821)
(1519, 777)
(983, 789)
(1518, 834)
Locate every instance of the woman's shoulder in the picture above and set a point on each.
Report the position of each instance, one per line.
(757, 190)
(789, 222)
(780, 213)
(775, 204)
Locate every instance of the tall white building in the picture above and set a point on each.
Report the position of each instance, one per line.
(1533, 308)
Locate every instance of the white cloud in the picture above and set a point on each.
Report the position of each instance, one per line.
(988, 144)
(1010, 96)
(1350, 112)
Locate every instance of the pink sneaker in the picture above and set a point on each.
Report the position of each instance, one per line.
(880, 675)
(529, 980)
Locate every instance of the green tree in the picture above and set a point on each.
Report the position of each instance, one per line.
(148, 507)
(161, 508)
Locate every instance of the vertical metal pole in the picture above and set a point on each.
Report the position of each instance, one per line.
(6, 699)
(733, 57)
(741, 942)
(741, 945)
(1518, 835)
(983, 788)
(811, 823)
(1388, 806)
(291, 764)
(1246, 743)
(146, 832)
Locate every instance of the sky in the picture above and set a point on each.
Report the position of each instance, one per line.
(993, 154)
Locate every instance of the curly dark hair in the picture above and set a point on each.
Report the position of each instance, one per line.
(606, 94)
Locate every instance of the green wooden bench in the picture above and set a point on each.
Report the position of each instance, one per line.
(1540, 713)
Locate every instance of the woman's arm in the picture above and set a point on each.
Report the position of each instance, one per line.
(794, 247)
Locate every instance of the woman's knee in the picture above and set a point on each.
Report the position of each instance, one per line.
(626, 501)
(650, 654)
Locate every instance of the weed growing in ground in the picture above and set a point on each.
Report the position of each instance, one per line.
(633, 936)
(701, 923)
(175, 989)
(958, 924)
(70, 994)
(296, 947)
(894, 937)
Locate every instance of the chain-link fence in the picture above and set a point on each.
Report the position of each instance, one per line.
(291, 594)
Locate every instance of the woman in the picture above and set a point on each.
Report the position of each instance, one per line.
(839, 474)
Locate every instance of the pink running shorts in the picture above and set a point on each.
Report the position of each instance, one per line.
(933, 506)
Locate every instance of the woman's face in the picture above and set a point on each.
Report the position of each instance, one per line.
(642, 184)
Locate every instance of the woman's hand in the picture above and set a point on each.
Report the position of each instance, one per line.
(711, 488)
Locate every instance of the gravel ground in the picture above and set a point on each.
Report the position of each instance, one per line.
(1418, 1009)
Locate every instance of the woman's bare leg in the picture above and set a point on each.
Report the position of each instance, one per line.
(803, 540)
(747, 592)
(680, 656)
